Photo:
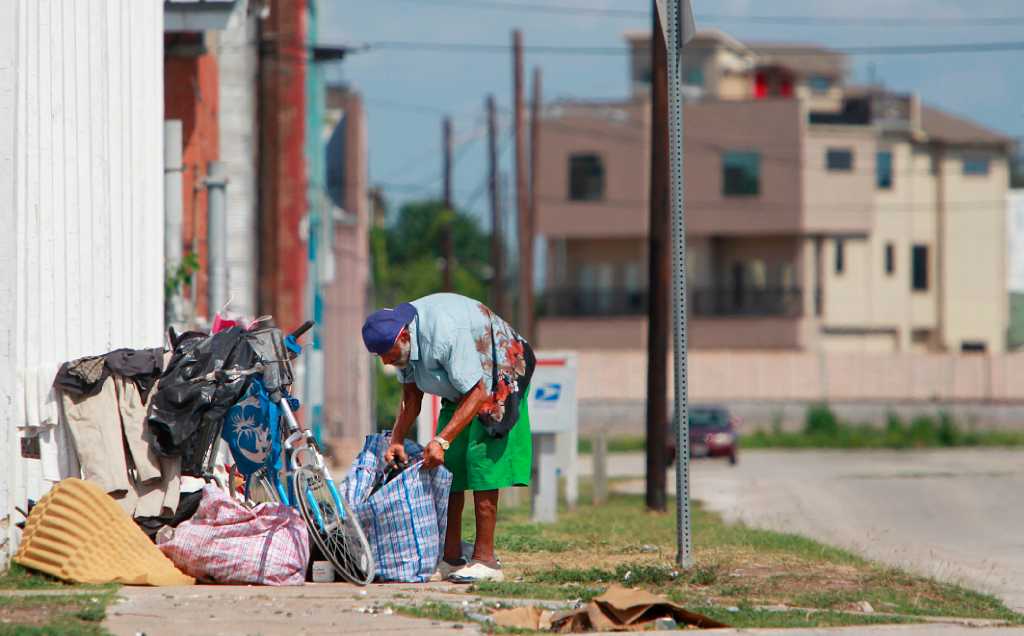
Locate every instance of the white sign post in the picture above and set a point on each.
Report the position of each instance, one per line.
(554, 422)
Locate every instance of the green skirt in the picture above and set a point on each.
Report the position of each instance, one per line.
(481, 462)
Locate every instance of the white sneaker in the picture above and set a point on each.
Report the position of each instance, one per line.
(476, 572)
(445, 569)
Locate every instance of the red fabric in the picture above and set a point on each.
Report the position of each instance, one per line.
(225, 542)
(221, 323)
(760, 86)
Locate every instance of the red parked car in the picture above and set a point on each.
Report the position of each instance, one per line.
(714, 432)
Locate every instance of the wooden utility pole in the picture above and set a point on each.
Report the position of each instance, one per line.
(447, 243)
(659, 244)
(531, 221)
(525, 317)
(497, 222)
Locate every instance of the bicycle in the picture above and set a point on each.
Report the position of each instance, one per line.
(333, 526)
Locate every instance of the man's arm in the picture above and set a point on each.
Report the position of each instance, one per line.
(468, 407)
(412, 400)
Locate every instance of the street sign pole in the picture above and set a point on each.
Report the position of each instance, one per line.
(679, 28)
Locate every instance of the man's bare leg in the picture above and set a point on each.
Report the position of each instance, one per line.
(485, 503)
(453, 536)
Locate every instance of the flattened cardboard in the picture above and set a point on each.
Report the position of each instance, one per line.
(78, 533)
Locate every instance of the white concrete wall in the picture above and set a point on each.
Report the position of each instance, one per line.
(237, 67)
(81, 194)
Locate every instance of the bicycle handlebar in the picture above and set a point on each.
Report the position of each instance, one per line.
(303, 328)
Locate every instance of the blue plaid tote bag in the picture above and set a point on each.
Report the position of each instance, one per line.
(404, 514)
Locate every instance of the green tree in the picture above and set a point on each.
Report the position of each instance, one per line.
(406, 262)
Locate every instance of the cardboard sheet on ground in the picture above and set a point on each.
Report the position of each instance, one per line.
(77, 533)
(618, 609)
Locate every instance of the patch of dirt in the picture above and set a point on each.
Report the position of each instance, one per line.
(577, 560)
(33, 615)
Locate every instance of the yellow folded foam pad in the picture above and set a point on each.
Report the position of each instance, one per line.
(77, 533)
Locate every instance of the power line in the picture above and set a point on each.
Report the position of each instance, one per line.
(505, 143)
(468, 47)
(556, 9)
(604, 51)
(462, 148)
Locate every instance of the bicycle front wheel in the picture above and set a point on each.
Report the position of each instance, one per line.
(333, 526)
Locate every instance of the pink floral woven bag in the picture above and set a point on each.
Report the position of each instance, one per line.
(225, 542)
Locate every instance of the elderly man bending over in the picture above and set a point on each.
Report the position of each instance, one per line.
(456, 348)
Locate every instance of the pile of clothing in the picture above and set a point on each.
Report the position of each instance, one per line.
(105, 400)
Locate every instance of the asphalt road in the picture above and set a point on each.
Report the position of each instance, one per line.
(957, 515)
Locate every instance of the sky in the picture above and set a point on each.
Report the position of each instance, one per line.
(407, 92)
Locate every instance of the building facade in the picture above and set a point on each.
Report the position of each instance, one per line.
(819, 215)
(347, 367)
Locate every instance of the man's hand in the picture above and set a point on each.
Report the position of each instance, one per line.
(433, 455)
(396, 450)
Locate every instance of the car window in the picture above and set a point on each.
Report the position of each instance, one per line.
(714, 419)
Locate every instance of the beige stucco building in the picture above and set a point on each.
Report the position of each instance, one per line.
(819, 215)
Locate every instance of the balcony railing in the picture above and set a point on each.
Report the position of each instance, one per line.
(703, 302)
(747, 301)
(581, 301)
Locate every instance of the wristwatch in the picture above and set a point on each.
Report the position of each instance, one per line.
(442, 442)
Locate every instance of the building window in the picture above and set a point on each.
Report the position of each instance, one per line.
(840, 256)
(586, 177)
(695, 76)
(741, 174)
(919, 275)
(890, 259)
(973, 346)
(883, 170)
(975, 166)
(819, 83)
(839, 160)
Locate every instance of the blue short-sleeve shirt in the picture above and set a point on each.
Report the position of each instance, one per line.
(451, 345)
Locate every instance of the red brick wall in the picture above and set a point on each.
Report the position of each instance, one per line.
(283, 257)
(190, 94)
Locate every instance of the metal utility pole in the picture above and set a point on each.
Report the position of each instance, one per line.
(173, 214)
(526, 250)
(679, 27)
(525, 318)
(217, 237)
(447, 244)
(497, 223)
(659, 243)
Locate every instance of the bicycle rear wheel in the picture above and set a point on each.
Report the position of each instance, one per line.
(333, 526)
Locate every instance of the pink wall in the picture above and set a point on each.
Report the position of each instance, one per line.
(789, 376)
(630, 333)
(794, 184)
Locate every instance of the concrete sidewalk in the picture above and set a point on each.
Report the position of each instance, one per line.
(315, 608)
(338, 608)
